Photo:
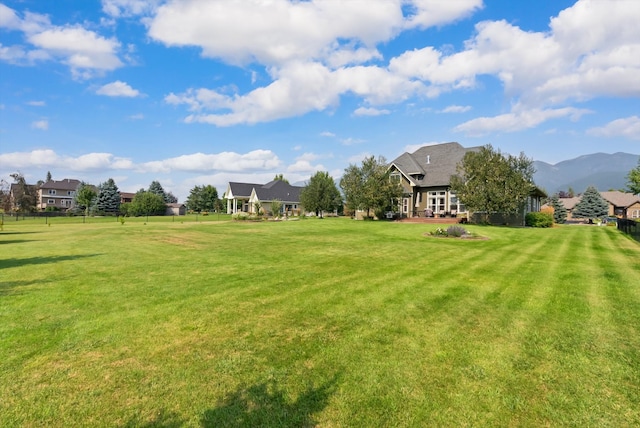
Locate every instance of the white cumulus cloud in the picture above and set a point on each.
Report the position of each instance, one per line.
(118, 89)
(628, 127)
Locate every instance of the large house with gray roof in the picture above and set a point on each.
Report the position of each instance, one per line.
(58, 194)
(425, 175)
(242, 197)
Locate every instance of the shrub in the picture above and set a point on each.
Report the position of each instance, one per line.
(539, 219)
(240, 216)
(456, 231)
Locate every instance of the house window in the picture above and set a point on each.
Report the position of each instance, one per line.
(436, 202)
(70, 192)
(52, 191)
(635, 214)
(455, 204)
(51, 201)
(394, 176)
(405, 205)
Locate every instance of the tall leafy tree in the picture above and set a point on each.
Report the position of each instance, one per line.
(147, 203)
(25, 196)
(108, 199)
(368, 186)
(203, 198)
(488, 181)
(592, 205)
(320, 194)
(559, 211)
(85, 197)
(170, 198)
(633, 180)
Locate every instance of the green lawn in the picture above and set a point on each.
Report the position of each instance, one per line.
(318, 322)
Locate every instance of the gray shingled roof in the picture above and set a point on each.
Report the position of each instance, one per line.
(66, 184)
(432, 165)
(240, 190)
(280, 190)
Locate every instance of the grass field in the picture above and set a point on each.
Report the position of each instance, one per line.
(318, 322)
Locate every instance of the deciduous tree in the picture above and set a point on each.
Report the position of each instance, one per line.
(147, 203)
(489, 182)
(368, 187)
(25, 196)
(320, 194)
(85, 197)
(202, 198)
(633, 180)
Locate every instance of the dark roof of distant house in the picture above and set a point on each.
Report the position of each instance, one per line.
(280, 190)
(242, 189)
(432, 165)
(66, 184)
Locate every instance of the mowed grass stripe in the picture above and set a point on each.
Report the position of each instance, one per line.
(332, 322)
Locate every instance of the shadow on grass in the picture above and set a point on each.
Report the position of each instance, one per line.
(9, 263)
(2, 233)
(16, 241)
(10, 287)
(163, 420)
(264, 405)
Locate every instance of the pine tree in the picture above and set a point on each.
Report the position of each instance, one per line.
(559, 211)
(108, 200)
(48, 178)
(156, 188)
(591, 206)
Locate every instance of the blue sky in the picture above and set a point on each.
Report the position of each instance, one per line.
(196, 92)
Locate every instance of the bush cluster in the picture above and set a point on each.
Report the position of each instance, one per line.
(454, 231)
(539, 219)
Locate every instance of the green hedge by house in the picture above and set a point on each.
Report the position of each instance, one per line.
(539, 219)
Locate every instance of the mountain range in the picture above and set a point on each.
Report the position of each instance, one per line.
(601, 170)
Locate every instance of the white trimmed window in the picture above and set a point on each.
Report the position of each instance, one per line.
(52, 191)
(51, 201)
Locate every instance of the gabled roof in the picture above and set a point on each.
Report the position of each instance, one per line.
(570, 203)
(620, 199)
(240, 190)
(432, 165)
(66, 184)
(280, 190)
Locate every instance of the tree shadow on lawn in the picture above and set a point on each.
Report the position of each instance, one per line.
(265, 405)
(163, 420)
(10, 287)
(9, 263)
(16, 241)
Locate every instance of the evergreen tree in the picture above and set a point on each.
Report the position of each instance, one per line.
(108, 199)
(320, 194)
(559, 211)
(171, 198)
(48, 178)
(156, 188)
(591, 206)
(280, 177)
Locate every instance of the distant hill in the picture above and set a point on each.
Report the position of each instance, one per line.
(602, 170)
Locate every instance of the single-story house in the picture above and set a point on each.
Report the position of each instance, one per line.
(425, 176)
(242, 197)
(621, 204)
(176, 209)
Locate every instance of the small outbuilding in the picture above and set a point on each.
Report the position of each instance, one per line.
(176, 209)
